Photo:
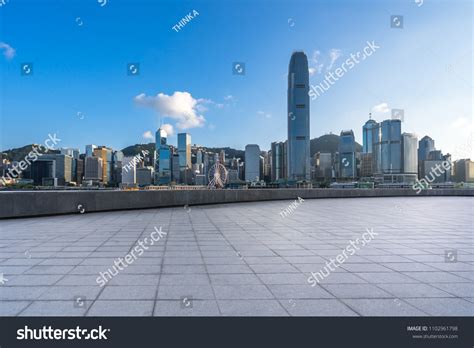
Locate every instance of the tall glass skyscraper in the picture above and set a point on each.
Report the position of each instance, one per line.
(425, 146)
(298, 118)
(90, 150)
(367, 136)
(409, 153)
(347, 156)
(162, 158)
(184, 153)
(387, 147)
(277, 165)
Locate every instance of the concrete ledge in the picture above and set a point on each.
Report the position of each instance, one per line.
(36, 203)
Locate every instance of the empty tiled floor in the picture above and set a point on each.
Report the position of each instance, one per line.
(246, 260)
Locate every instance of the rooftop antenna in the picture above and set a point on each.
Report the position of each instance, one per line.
(370, 115)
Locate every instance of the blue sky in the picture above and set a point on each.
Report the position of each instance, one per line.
(80, 51)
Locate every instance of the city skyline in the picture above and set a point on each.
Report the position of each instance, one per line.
(117, 109)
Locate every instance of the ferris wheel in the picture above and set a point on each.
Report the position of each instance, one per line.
(217, 176)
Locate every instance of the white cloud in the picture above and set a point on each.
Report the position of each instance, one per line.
(229, 98)
(168, 128)
(148, 135)
(381, 108)
(8, 51)
(334, 54)
(180, 106)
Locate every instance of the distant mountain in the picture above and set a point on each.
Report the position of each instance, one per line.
(133, 150)
(18, 154)
(137, 148)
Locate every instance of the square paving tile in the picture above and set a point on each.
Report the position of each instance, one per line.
(252, 308)
(356, 291)
(444, 306)
(383, 307)
(55, 308)
(318, 308)
(242, 292)
(12, 308)
(413, 290)
(199, 308)
(121, 308)
(129, 292)
(299, 292)
(173, 292)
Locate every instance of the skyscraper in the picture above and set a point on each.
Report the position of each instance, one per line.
(323, 163)
(222, 157)
(106, 154)
(184, 152)
(298, 118)
(252, 163)
(129, 172)
(62, 167)
(409, 153)
(42, 170)
(347, 156)
(464, 170)
(367, 135)
(425, 146)
(162, 159)
(90, 150)
(387, 151)
(93, 170)
(278, 166)
(175, 167)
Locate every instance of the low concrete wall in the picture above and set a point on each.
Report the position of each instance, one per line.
(37, 203)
